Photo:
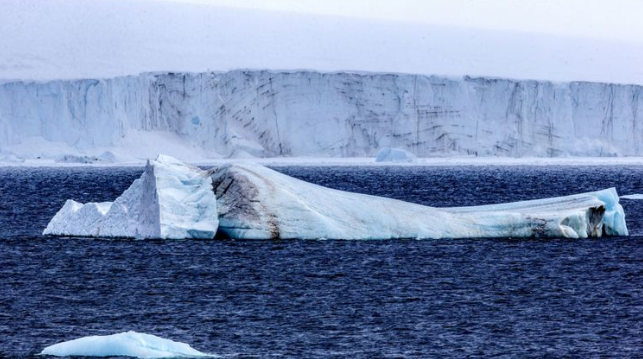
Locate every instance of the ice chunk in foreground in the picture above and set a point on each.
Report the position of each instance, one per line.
(130, 344)
(259, 203)
(394, 155)
(170, 200)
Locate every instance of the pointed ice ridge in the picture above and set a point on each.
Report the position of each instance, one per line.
(130, 344)
(171, 200)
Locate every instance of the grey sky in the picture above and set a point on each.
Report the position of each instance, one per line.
(615, 19)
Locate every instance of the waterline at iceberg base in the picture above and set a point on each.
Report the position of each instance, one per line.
(173, 200)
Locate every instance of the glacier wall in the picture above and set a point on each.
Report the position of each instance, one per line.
(306, 113)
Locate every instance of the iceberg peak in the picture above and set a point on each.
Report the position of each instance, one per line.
(171, 200)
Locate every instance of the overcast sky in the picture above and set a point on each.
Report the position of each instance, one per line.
(545, 40)
(609, 19)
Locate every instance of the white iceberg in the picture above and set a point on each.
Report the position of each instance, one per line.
(259, 203)
(394, 155)
(171, 200)
(174, 200)
(131, 344)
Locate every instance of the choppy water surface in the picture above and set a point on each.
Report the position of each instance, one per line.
(308, 299)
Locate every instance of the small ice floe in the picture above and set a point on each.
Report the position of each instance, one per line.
(394, 155)
(632, 196)
(131, 344)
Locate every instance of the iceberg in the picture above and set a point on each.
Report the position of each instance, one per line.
(632, 196)
(171, 200)
(394, 155)
(259, 203)
(250, 201)
(131, 344)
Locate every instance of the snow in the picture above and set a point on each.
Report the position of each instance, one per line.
(131, 344)
(632, 196)
(170, 200)
(62, 39)
(394, 155)
(258, 203)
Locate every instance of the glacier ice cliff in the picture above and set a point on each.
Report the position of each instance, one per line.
(250, 201)
(306, 113)
(129, 344)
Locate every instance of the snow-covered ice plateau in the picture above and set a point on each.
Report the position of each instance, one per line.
(175, 200)
(130, 344)
(171, 200)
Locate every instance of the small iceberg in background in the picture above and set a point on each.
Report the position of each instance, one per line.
(632, 196)
(394, 155)
(131, 344)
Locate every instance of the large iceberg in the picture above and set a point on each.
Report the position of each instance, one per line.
(131, 344)
(250, 201)
(257, 202)
(171, 200)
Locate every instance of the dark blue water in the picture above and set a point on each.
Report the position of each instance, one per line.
(309, 299)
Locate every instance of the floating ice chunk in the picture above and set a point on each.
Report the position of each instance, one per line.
(170, 200)
(632, 196)
(107, 157)
(130, 344)
(394, 155)
(258, 203)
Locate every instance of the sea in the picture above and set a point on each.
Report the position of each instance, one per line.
(462, 298)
